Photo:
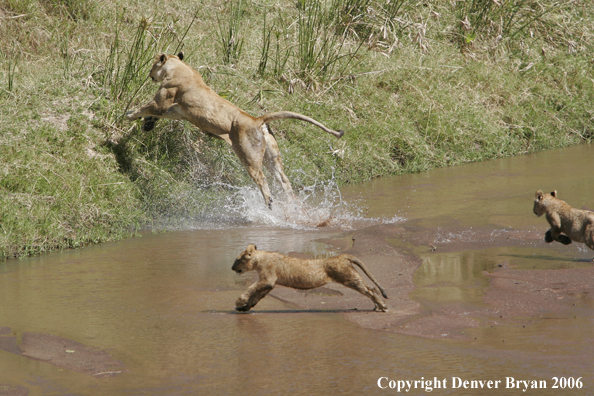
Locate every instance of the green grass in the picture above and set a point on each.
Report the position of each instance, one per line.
(414, 85)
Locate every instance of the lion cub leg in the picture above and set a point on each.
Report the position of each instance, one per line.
(356, 282)
(252, 295)
(555, 235)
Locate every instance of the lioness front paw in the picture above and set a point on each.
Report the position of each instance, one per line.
(148, 124)
(244, 308)
(130, 115)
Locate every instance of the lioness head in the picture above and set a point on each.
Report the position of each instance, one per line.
(540, 202)
(159, 69)
(243, 262)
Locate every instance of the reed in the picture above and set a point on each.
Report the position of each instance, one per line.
(11, 72)
(321, 53)
(276, 35)
(229, 32)
(505, 19)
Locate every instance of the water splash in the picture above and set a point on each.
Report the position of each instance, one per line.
(318, 205)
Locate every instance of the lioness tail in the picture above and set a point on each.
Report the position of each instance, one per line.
(280, 115)
(356, 261)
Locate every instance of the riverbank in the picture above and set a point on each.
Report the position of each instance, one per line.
(415, 86)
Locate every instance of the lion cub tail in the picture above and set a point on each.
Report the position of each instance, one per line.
(280, 115)
(356, 261)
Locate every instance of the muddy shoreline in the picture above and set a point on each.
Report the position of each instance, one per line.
(512, 297)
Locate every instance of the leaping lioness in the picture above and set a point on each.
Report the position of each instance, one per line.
(183, 95)
(277, 269)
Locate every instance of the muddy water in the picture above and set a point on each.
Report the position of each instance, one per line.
(153, 315)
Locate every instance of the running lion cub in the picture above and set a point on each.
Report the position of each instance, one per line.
(275, 268)
(576, 224)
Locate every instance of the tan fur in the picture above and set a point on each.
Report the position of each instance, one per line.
(576, 224)
(183, 95)
(277, 269)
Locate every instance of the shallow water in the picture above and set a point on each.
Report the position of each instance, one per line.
(162, 304)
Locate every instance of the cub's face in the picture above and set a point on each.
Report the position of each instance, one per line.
(541, 201)
(243, 262)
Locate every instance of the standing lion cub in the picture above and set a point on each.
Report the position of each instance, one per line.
(183, 95)
(576, 224)
(277, 269)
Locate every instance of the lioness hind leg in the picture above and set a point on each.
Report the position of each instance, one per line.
(274, 163)
(250, 149)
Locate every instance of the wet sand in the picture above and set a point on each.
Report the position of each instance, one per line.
(60, 352)
(512, 297)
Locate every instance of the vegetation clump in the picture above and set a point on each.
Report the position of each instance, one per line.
(415, 85)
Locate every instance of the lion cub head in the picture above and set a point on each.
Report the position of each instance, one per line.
(542, 200)
(159, 69)
(243, 262)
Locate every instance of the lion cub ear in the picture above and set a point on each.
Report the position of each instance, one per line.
(181, 56)
(539, 195)
(251, 248)
(161, 57)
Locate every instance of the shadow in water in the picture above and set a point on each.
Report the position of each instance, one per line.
(286, 311)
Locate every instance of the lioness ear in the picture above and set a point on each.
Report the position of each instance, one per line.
(180, 56)
(539, 195)
(161, 57)
(554, 193)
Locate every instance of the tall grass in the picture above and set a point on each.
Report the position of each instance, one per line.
(229, 32)
(321, 53)
(507, 19)
(352, 15)
(275, 35)
(127, 65)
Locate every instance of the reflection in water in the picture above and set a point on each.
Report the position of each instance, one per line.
(163, 304)
(452, 277)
